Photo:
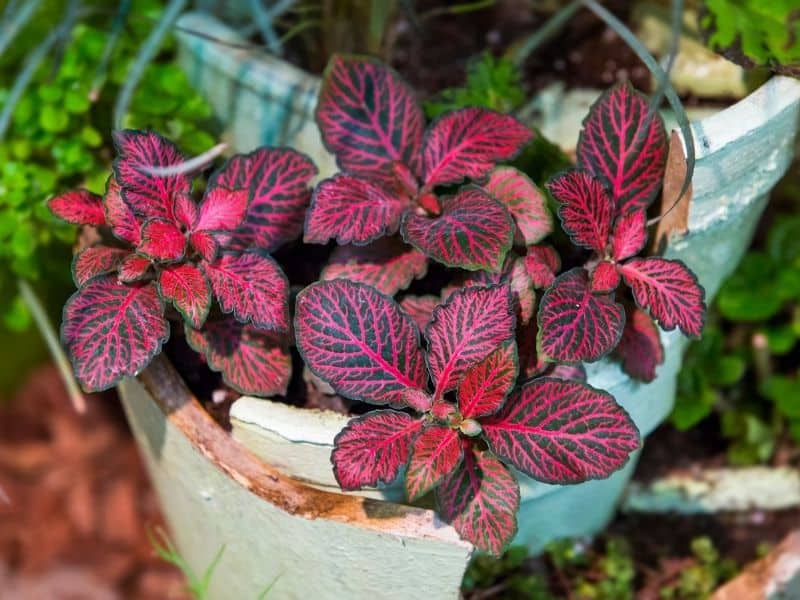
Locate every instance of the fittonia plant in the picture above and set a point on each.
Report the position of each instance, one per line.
(472, 423)
(621, 156)
(209, 261)
(497, 383)
(471, 402)
(393, 170)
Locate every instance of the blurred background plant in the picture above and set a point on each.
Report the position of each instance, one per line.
(744, 372)
(603, 570)
(56, 136)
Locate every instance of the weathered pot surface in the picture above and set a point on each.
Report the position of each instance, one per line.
(276, 531)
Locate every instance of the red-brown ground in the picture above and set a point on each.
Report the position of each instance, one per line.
(75, 505)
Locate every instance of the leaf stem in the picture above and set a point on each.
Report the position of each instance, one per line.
(15, 24)
(552, 26)
(117, 27)
(48, 333)
(146, 54)
(193, 164)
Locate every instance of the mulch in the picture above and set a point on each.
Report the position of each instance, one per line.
(75, 502)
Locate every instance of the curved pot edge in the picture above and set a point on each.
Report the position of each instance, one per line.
(185, 413)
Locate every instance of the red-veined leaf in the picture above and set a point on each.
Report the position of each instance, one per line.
(417, 399)
(585, 209)
(530, 365)
(149, 196)
(162, 241)
(185, 211)
(624, 144)
(469, 326)
(473, 232)
(640, 348)
(124, 224)
(562, 432)
(576, 372)
(373, 448)
(368, 116)
(94, 261)
(277, 185)
(112, 330)
(518, 279)
(251, 360)
(526, 203)
(669, 290)
(386, 264)
(436, 452)
(352, 210)
(485, 386)
(629, 235)
(542, 263)
(480, 500)
(575, 324)
(605, 277)
(133, 268)
(359, 341)
(80, 207)
(222, 210)
(205, 244)
(252, 287)
(468, 143)
(521, 284)
(420, 308)
(188, 289)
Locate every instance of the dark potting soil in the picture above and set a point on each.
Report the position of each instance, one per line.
(433, 48)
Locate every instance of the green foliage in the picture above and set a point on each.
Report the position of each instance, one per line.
(589, 574)
(493, 83)
(742, 369)
(197, 586)
(486, 572)
(708, 369)
(605, 576)
(754, 32)
(60, 139)
(699, 580)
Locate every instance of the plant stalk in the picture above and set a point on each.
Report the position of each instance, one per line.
(48, 333)
(147, 52)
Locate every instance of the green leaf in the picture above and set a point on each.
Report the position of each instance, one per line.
(754, 32)
(492, 83)
(689, 410)
(727, 370)
(781, 339)
(753, 292)
(783, 240)
(77, 101)
(753, 441)
(17, 318)
(53, 118)
(794, 429)
(784, 392)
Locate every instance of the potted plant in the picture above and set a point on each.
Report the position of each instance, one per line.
(201, 472)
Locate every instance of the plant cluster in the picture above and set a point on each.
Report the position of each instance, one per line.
(57, 137)
(753, 33)
(495, 383)
(742, 369)
(491, 82)
(160, 248)
(574, 569)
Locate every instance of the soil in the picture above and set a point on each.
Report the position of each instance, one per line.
(432, 48)
(75, 502)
